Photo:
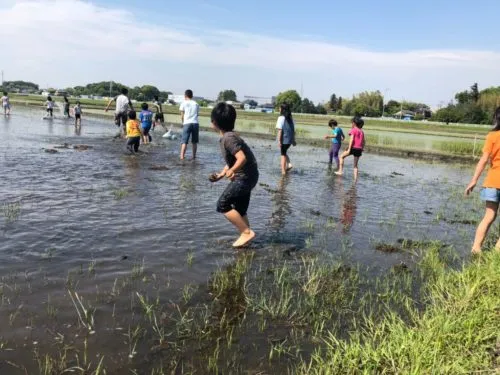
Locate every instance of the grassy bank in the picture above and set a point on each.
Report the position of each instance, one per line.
(284, 313)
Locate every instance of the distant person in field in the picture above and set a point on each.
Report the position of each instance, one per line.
(337, 137)
(146, 119)
(77, 110)
(490, 193)
(286, 136)
(66, 107)
(191, 129)
(5, 104)
(159, 117)
(134, 132)
(123, 105)
(356, 146)
(50, 106)
(241, 170)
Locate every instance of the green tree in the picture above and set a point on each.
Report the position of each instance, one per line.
(474, 93)
(321, 109)
(251, 103)
(291, 97)
(339, 103)
(227, 95)
(149, 92)
(307, 106)
(334, 103)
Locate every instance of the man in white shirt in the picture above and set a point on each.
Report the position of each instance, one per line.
(123, 105)
(189, 116)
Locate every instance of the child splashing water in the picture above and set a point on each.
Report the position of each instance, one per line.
(356, 146)
(241, 169)
(490, 193)
(337, 137)
(134, 132)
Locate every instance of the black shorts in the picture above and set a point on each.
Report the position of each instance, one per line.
(159, 117)
(78, 116)
(237, 196)
(356, 152)
(50, 111)
(133, 143)
(284, 149)
(121, 118)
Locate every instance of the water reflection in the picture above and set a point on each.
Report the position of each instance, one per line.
(78, 130)
(348, 208)
(281, 205)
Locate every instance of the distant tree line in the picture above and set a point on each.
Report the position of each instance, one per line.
(471, 106)
(19, 86)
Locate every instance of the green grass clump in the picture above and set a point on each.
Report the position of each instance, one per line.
(458, 333)
(461, 148)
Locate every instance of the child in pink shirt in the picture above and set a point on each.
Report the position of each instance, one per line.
(356, 146)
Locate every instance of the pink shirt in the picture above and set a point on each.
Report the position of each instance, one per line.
(358, 136)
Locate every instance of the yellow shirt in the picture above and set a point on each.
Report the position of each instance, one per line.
(492, 147)
(133, 128)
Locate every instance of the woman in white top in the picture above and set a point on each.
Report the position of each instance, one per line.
(286, 136)
(6, 104)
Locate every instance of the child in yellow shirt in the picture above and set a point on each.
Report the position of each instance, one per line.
(134, 132)
(490, 193)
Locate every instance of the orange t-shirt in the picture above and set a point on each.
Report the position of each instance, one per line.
(492, 147)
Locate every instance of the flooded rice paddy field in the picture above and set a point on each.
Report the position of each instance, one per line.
(114, 261)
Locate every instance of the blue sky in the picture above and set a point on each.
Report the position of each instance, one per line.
(424, 51)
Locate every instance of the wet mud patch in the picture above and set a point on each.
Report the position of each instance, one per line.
(158, 168)
(82, 147)
(50, 151)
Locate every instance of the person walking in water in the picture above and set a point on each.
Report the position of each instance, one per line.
(241, 169)
(78, 114)
(50, 106)
(356, 146)
(66, 107)
(123, 105)
(6, 104)
(189, 116)
(490, 193)
(337, 137)
(159, 117)
(286, 136)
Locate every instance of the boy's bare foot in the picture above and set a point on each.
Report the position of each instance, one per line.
(476, 251)
(338, 173)
(290, 166)
(245, 238)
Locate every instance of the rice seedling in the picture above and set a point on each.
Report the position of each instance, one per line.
(85, 313)
(11, 211)
(121, 193)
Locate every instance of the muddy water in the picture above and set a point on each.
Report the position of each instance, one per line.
(87, 219)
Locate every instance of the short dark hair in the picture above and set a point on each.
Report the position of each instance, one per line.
(132, 115)
(77, 102)
(223, 117)
(496, 120)
(5, 93)
(189, 94)
(49, 98)
(358, 121)
(332, 123)
(124, 91)
(155, 97)
(144, 106)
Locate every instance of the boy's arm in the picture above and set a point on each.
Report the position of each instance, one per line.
(279, 136)
(241, 159)
(351, 141)
(109, 104)
(130, 104)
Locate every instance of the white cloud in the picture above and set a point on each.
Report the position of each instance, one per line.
(74, 42)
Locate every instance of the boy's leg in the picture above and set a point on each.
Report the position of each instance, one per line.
(283, 164)
(195, 139)
(484, 226)
(356, 160)
(137, 143)
(330, 154)
(336, 149)
(186, 134)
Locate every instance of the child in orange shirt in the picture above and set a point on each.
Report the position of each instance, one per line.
(491, 185)
(134, 132)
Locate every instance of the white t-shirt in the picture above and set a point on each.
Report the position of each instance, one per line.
(50, 104)
(280, 122)
(122, 104)
(5, 101)
(191, 110)
(78, 110)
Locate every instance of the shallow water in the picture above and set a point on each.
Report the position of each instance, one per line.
(106, 214)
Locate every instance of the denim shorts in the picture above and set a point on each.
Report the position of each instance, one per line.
(189, 130)
(490, 195)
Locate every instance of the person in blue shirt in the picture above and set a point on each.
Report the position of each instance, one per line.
(146, 119)
(337, 136)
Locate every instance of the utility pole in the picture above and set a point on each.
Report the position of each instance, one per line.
(110, 88)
